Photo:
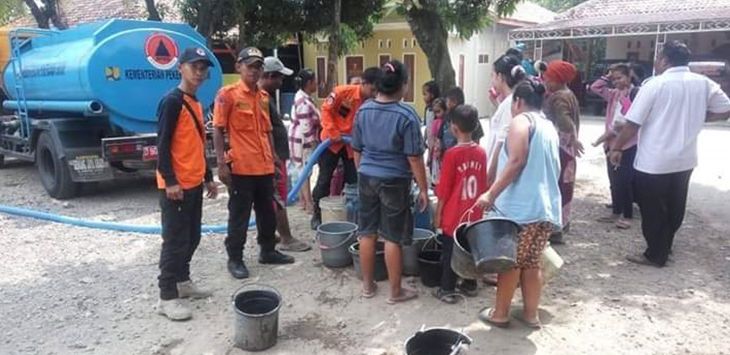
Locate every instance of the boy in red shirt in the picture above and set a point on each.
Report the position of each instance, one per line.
(463, 180)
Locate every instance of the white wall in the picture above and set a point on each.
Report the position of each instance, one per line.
(491, 41)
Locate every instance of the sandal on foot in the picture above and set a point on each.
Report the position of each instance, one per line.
(371, 292)
(536, 324)
(608, 219)
(623, 224)
(406, 294)
(295, 246)
(485, 315)
(448, 297)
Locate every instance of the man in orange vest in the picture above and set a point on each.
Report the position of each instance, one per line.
(181, 173)
(247, 168)
(338, 116)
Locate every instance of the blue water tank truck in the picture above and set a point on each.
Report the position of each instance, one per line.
(81, 103)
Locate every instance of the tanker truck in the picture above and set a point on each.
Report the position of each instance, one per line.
(81, 103)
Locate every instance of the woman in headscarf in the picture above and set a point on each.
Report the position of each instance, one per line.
(563, 110)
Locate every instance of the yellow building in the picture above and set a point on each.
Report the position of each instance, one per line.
(392, 39)
(471, 58)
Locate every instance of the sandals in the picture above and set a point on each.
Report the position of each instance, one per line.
(371, 292)
(445, 296)
(485, 315)
(536, 324)
(608, 219)
(406, 294)
(294, 246)
(623, 224)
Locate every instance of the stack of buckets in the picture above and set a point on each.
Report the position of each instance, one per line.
(337, 237)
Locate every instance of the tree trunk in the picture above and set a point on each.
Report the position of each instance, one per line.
(432, 36)
(40, 17)
(334, 47)
(55, 14)
(152, 13)
(241, 7)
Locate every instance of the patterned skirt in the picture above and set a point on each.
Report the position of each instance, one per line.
(532, 242)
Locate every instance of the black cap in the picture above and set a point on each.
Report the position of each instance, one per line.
(195, 54)
(250, 55)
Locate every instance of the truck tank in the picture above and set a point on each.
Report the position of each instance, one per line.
(119, 68)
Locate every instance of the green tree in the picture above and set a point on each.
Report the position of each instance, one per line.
(10, 9)
(559, 5)
(432, 20)
(345, 23)
(209, 17)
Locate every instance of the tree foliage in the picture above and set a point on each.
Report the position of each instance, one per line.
(10, 9)
(432, 20)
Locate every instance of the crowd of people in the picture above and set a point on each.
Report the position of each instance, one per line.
(525, 172)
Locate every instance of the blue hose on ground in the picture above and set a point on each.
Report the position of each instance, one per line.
(131, 228)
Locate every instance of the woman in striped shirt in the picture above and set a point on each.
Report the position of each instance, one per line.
(304, 131)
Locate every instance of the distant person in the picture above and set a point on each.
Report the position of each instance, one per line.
(435, 155)
(668, 115)
(338, 115)
(389, 151)
(562, 108)
(525, 191)
(247, 168)
(430, 93)
(463, 180)
(454, 97)
(618, 90)
(304, 131)
(182, 171)
(355, 80)
(271, 81)
(506, 74)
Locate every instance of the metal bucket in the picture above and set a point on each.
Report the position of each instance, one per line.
(333, 209)
(256, 309)
(493, 244)
(437, 341)
(381, 271)
(334, 239)
(410, 252)
(462, 261)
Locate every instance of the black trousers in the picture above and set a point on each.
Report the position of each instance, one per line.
(622, 184)
(180, 237)
(247, 192)
(448, 276)
(662, 200)
(327, 165)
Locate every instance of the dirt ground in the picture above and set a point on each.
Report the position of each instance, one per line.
(67, 290)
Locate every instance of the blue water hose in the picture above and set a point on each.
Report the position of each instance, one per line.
(131, 228)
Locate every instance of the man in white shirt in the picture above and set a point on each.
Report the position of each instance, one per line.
(668, 114)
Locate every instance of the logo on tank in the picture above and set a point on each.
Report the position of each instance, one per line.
(161, 51)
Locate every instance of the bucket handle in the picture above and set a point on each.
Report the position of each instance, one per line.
(339, 245)
(256, 286)
(470, 211)
(429, 240)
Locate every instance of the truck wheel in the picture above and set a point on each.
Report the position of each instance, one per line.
(54, 171)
